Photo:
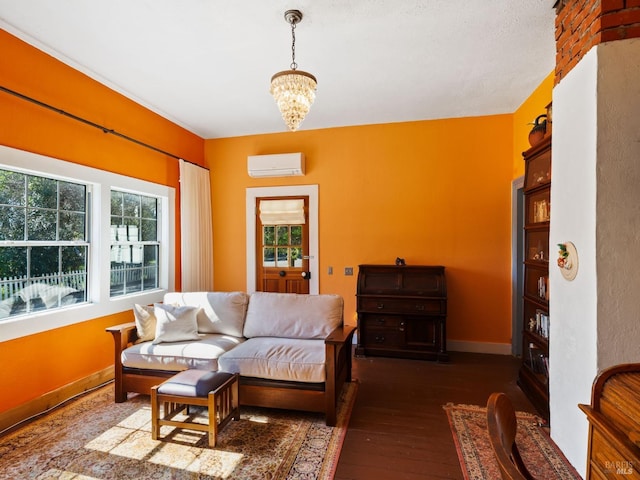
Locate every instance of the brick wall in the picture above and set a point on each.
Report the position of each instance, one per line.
(581, 24)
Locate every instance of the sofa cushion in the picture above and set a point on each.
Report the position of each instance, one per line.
(177, 356)
(221, 312)
(291, 315)
(145, 322)
(175, 324)
(194, 383)
(277, 359)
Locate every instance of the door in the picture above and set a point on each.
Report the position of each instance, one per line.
(282, 244)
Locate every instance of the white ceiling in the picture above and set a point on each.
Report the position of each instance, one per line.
(206, 64)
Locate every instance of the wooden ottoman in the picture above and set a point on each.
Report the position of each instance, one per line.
(218, 391)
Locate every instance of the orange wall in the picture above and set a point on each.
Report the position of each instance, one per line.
(432, 192)
(523, 118)
(41, 363)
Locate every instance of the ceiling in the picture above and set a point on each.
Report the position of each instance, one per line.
(206, 64)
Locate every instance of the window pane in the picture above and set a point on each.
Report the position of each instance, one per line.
(72, 197)
(283, 235)
(133, 230)
(42, 192)
(268, 257)
(44, 261)
(12, 223)
(13, 188)
(296, 234)
(131, 205)
(74, 259)
(133, 280)
(283, 257)
(150, 269)
(13, 262)
(41, 224)
(149, 207)
(150, 255)
(149, 231)
(136, 254)
(72, 226)
(296, 257)
(269, 235)
(116, 204)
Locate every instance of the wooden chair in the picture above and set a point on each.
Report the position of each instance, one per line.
(502, 423)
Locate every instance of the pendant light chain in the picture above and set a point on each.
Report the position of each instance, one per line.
(294, 65)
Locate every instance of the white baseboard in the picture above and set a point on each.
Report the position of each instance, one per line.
(479, 347)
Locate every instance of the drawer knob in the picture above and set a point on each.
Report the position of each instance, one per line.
(381, 321)
(420, 307)
(402, 325)
(379, 338)
(380, 306)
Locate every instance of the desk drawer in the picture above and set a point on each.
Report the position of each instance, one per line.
(383, 338)
(403, 306)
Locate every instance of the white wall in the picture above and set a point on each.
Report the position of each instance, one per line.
(595, 203)
(618, 203)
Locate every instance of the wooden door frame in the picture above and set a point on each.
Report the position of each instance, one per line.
(252, 194)
(517, 264)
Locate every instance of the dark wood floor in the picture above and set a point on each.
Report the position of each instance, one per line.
(398, 429)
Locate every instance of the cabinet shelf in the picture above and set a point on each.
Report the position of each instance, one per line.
(539, 340)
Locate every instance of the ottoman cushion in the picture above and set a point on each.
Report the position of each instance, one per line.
(193, 383)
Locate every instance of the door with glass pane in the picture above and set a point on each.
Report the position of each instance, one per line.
(282, 244)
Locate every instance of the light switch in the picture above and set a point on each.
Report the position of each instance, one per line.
(348, 270)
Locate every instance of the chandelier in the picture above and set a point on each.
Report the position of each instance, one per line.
(293, 90)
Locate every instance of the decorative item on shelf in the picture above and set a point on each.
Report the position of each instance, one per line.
(539, 128)
(549, 118)
(568, 260)
(293, 90)
(400, 261)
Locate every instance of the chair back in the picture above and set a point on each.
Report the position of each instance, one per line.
(502, 423)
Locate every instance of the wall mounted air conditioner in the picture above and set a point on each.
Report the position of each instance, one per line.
(278, 165)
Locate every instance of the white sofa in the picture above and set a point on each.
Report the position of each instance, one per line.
(291, 351)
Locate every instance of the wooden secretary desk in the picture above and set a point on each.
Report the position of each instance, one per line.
(402, 311)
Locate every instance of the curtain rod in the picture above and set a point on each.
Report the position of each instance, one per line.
(92, 124)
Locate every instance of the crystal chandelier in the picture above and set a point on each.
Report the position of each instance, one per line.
(293, 90)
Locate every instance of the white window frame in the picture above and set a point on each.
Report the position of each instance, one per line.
(100, 183)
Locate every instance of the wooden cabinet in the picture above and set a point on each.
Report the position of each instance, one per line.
(614, 424)
(402, 311)
(533, 377)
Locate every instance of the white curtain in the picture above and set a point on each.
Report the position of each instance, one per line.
(196, 228)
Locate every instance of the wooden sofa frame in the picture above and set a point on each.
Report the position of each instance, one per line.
(312, 397)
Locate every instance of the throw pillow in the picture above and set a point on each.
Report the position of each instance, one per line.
(145, 322)
(175, 324)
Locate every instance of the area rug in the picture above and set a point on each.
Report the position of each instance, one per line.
(470, 434)
(94, 438)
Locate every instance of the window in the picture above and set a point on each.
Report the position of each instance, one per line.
(59, 258)
(134, 243)
(43, 243)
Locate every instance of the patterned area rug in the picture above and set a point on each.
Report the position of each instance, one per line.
(541, 456)
(94, 438)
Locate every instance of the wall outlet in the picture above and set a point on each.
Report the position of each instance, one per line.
(348, 270)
